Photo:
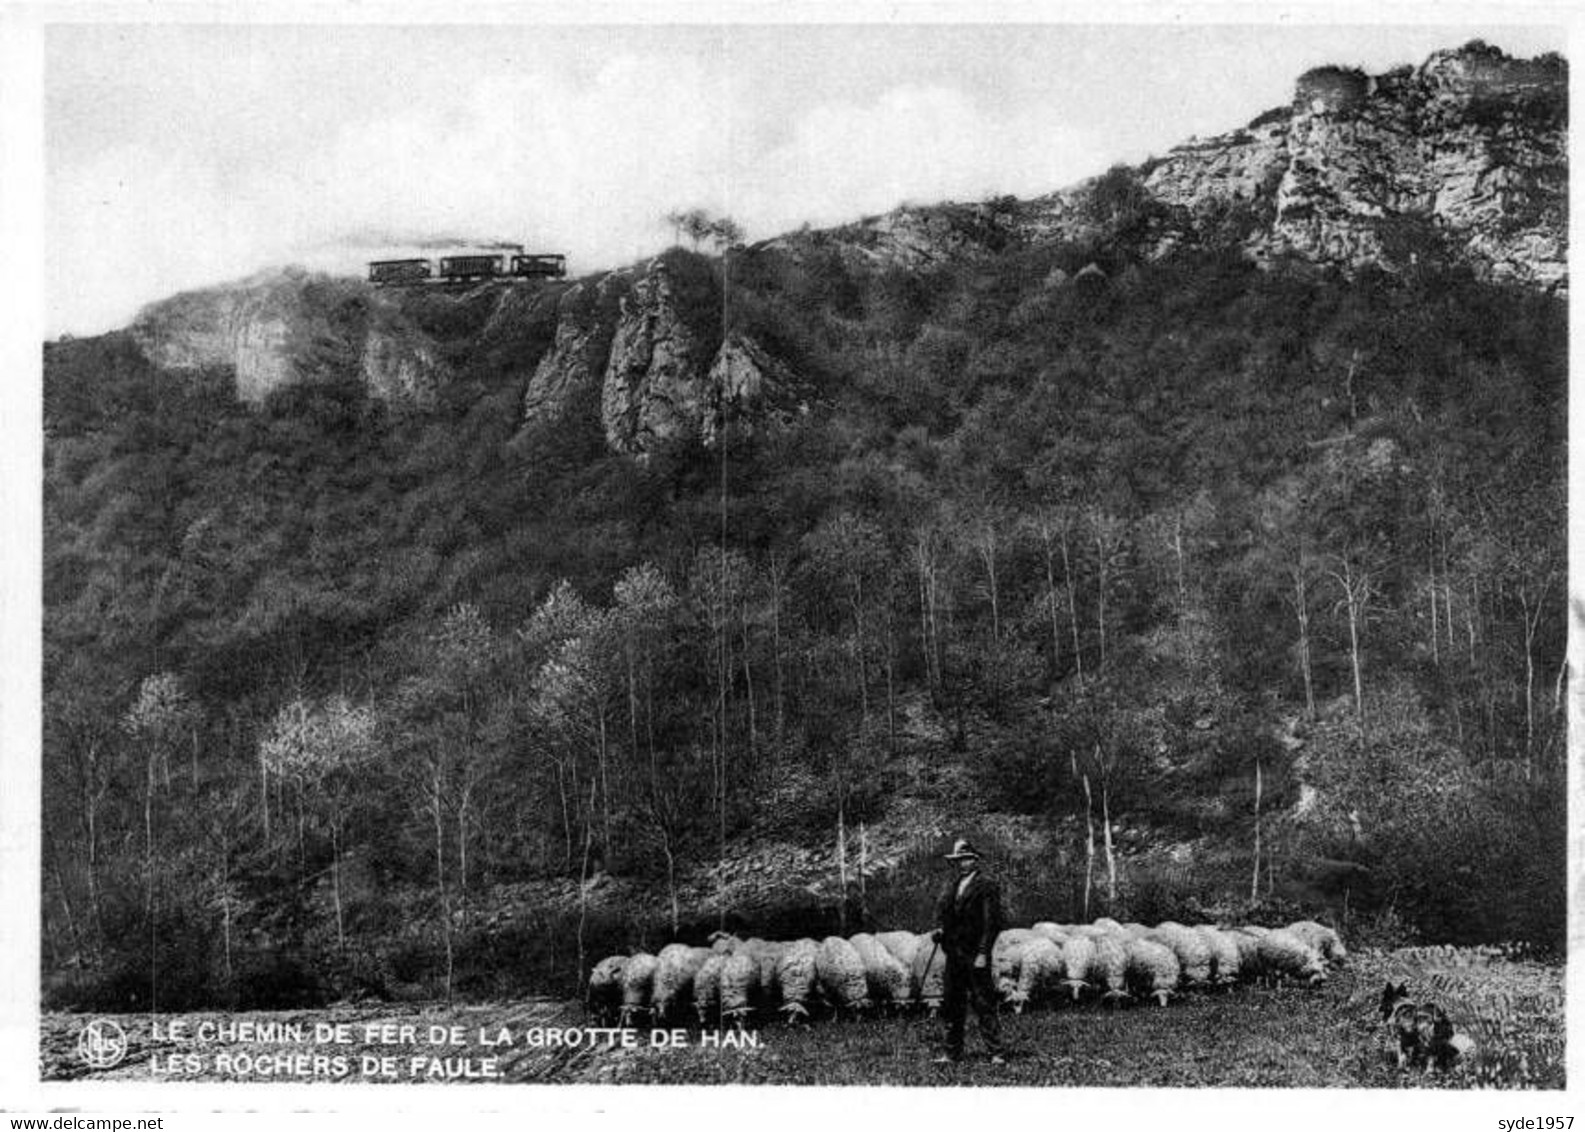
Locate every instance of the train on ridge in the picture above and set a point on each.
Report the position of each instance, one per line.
(508, 266)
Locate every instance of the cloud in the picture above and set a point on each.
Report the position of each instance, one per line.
(380, 239)
(587, 167)
(582, 162)
(919, 143)
(185, 154)
(133, 224)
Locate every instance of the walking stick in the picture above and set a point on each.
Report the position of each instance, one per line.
(935, 946)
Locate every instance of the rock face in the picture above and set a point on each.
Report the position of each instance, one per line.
(915, 237)
(650, 340)
(1464, 156)
(400, 365)
(285, 326)
(657, 380)
(586, 318)
(1469, 149)
(1471, 145)
(247, 327)
(746, 379)
(644, 343)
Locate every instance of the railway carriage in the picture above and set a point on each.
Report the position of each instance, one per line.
(467, 268)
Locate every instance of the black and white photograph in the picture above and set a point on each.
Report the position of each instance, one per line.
(832, 547)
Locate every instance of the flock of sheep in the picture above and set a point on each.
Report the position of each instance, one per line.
(728, 981)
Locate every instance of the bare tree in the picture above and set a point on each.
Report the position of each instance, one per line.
(1104, 751)
(1254, 882)
(83, 731)
(850, 552)
(700, 227)
(158, 719)
(1299, 572)
(1089, 830)
(1109, 533)
(984, 532)
(776, 591)
(928, 553)
(1358, 588)
(320, 748)
(1532, 593)
(725, 232)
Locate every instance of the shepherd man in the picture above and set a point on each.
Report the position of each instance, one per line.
(970, 915)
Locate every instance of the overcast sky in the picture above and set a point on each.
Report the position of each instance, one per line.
(183, 155)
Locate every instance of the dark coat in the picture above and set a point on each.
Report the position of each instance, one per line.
(970, 923)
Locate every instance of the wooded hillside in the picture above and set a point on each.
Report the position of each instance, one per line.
(1263, 564)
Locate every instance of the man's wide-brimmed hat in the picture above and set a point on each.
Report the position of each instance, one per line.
(961, 850)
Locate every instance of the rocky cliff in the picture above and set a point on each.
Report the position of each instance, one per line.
(290, 325)
(1463, 156)
(1470, 147)
(586, 318)
(657, 379)
(646, 343)
(653, 340)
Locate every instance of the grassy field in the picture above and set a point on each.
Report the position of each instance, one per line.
(1248, 1036)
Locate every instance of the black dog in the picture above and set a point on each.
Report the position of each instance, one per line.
(1398, 1013)
(1425, 1034)
(1391, 996)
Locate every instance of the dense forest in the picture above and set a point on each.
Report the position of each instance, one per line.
(1266, 562)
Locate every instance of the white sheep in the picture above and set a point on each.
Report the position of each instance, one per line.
(929, 973)
(1006, 955)
(1056, 933)
(1248, 944)
(1040, 972)
(1322, 938)
(1011, 936)
(1078, 956)
(795, 977)
(738, 985)
(605, 988)
(1152, 969)
(1106, 923)
(767, 955)
(724, 942)
(901, 944)
(1225, 962)
(888, 979)
(707, 987)
(674, 971)
(1109, 968)
(638, 986)
(840, 970)
(1194, 954)
(1282, 954)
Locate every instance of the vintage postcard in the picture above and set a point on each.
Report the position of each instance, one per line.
(1005, 557)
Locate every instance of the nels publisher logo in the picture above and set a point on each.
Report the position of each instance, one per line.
(102, 1043)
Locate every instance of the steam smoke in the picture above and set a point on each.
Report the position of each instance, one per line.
(377, 238)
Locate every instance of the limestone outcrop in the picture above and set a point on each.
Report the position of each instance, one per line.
(1464, 156)
(657, 380)
(291, 325)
